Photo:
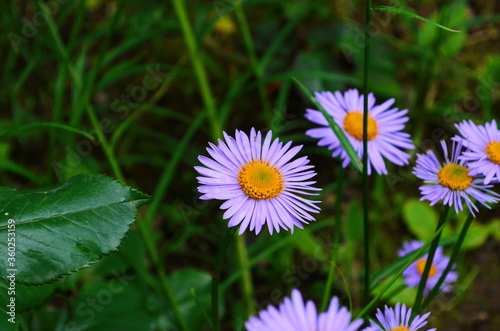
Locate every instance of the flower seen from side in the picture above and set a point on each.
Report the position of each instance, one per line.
(398, 319)
(259, 182)
(385, 139)
(295, 315)
(451, 181)
(413, 273)
(483, 149)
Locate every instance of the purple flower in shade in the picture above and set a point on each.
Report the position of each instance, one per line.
(295, 315)
(259, 182)
(451, 181)
(385, 138)
(413, 274)
(398, 319)
(483, 144)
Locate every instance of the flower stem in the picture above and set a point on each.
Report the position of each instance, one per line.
(254, 62)
(430, 257)
(366, 224)
(216, 276)
(336, 238)
(453, 257)
(199, 69)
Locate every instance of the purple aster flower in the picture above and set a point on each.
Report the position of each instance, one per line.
(385, 139)
(259, 182)
(451, 182)
(398, 319)
(294, 315)
(483, 144)
(413, 274)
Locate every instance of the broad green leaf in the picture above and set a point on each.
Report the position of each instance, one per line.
(494, 226)
(420, 218)
(354, 222)
(346, 145)
(118, 304)
(412, 15)
(65, 229)
(183, 281)
(476, 236)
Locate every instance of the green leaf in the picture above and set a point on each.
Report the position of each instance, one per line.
(420, 218)
(354, 222)
(65, 229)
(494, 226)
(346, 145)
(412, 15)
(185, 281)
(476, 236)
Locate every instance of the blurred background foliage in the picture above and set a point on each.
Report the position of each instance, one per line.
(69, 67)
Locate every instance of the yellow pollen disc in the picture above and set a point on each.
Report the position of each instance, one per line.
(455, 177)
(493, 151)
(259, 180)
(353, 124)
(421, 266)
(400, 328)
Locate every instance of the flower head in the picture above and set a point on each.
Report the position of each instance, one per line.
(413, 273)
(259, 182)
(452, 181)
(398, 319)
(295, 315)
(483, 144)
(385, 139)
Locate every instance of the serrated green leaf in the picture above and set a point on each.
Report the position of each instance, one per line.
(412, 15)
(65, 229)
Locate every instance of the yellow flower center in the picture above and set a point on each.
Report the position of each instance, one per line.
(259, 180)
(353, 124)
(421, 266)
(400, 328)
(455, 177)
(493, 151)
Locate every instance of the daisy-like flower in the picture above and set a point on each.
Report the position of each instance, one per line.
(259, 182)
(295, 315)
(385, 139)
(398, 319)
(451, 181)
(483, 144)
(413, 274)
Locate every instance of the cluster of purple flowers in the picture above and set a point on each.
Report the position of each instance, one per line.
(262, 185)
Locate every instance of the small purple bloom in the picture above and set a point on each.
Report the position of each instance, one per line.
(483, 144)
(452, 181)
(258, 180)
(295, 315)
(398, 319)
(413, 274)
(385, 139)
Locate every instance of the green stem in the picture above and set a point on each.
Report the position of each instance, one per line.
(430, 257)
(453, 257)
(199, 69)
(336, 238)
(246, 279)
(414, 256)
(216, 276)
(254, 62)
(366, 224)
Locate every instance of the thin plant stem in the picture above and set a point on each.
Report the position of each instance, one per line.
(415, 255)
(366, 224)
(335, 239)
(453, 257)
(208, 100)
(199, 69)
(216, 276)
(254, 62)
(430, 257)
